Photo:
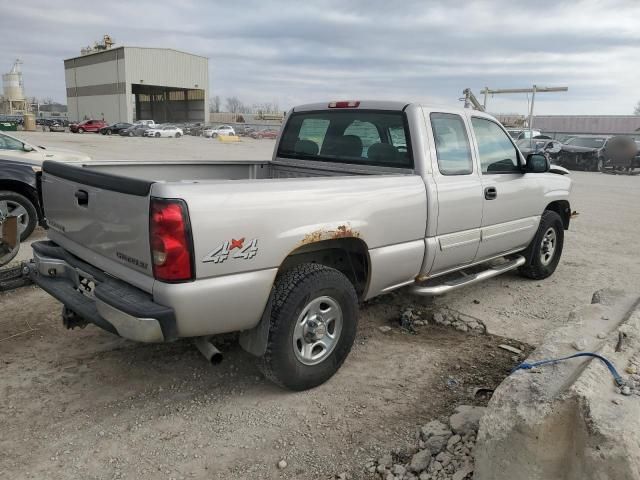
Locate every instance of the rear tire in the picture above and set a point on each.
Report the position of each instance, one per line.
(544, 252)
(23, 208)
(177, 135)
(314, 319)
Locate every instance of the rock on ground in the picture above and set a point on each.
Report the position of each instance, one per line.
(441, 454)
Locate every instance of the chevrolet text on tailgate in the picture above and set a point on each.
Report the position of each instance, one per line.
(359, 199)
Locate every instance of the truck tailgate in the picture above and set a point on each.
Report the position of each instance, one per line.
(101, 218)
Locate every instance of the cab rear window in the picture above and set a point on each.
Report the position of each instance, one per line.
(366, 137)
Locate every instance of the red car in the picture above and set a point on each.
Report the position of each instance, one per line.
(88, 126)
(265, 134)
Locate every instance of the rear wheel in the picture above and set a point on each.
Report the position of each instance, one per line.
(177, 135)
(131, 134)
(15, 204)
(313, 325)
(600, 165)
(545, 250)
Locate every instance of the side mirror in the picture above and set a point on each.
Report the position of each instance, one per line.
(27, 148)
(536, 163)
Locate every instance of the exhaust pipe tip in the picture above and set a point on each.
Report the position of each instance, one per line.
(209, 350)
(216, 358)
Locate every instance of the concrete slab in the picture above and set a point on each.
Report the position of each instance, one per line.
(569, 421)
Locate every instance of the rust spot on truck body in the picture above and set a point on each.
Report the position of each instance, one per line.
(343, 231)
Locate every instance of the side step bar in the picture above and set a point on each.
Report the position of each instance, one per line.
(450, 285)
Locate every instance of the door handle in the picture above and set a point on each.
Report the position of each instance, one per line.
(83, 197)
(490, 193)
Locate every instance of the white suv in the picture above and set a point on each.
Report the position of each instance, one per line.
(221, 130)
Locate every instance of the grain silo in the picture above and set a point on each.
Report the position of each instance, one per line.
(13, 91)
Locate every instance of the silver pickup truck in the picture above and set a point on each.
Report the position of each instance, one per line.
(359, 199)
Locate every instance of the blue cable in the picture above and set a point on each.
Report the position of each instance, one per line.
(616, 376)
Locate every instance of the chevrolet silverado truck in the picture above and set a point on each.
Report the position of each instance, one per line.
(359, 199)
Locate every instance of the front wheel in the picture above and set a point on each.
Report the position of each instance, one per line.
(600, 165)
(313, 325)
(157, 135)
(16, 205)
(544, 251)
(81, 130)
(109, 132)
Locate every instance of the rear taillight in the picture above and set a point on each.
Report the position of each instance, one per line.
(171, 242)
(345, 104)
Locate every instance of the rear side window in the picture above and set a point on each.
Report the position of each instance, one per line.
(452, 144)
(348, 136)
(497, 153)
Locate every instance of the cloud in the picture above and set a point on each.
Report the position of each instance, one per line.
(295, 52)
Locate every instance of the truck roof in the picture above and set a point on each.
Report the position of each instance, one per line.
(385, 105)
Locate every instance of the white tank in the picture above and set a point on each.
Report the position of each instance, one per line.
(12, 86)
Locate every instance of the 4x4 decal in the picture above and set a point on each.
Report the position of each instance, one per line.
(222, 252)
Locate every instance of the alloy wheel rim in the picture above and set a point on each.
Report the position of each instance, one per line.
(317, 330)
(548, 246)
(14, 209)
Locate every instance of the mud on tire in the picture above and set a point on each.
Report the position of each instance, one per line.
(294, 291)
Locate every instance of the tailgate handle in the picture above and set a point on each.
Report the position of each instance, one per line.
(83, 197)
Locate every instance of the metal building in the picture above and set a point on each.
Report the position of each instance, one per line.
(588, 124)
(126, 84)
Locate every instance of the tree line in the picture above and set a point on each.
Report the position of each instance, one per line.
(235, 105)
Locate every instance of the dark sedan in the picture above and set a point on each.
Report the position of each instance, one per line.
(134, 131)
(114, 128)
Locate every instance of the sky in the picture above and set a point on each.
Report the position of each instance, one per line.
(292, 52)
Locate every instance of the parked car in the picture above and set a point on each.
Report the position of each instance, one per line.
(221, 130)
(57, 127)
(115, 128)
(148, 123)
(16, 149)
(584, 153)
(355, 203)
(87, 126)
(520, 133)
(19, 163)
(164, 131)
(264, 134)
(19, 194)
(568, 156)
(135, 130)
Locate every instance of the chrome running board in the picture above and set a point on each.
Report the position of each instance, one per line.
(447, 286)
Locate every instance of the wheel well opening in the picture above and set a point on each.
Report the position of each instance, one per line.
(349, 256)
(562, 208)
(22, 189)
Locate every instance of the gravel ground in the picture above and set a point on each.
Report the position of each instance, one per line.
(85, 404)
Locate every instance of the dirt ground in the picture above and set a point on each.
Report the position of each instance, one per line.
(88, 405)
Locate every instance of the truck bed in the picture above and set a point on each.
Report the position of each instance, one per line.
(204, 170)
